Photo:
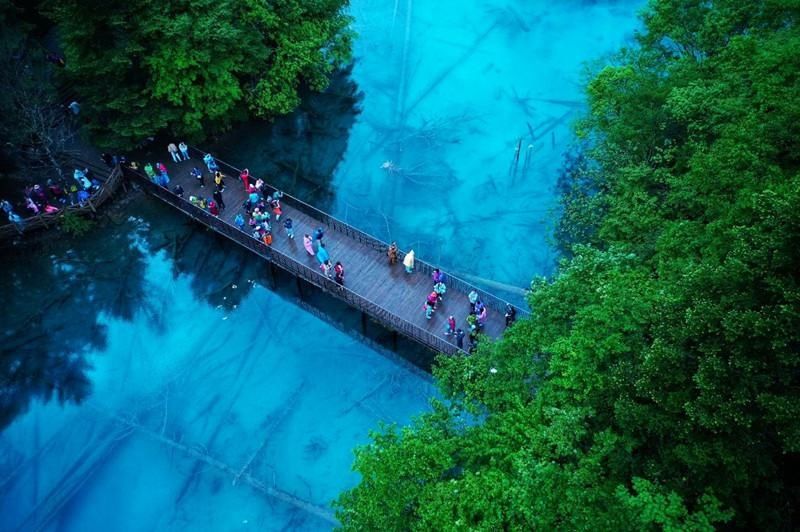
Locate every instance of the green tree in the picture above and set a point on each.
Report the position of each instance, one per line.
(194, 66)
(657, 383)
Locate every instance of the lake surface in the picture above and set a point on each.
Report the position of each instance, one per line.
(210, 400)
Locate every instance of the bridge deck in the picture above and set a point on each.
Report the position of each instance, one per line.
(367, 272)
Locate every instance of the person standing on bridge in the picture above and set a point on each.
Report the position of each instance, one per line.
(440, 288)
(219, 180)
(338, 271)
(322, 253)
(481, 319)
(511, 314)
(392, 253)
(450, 328)
(308, 243)
(473, 300)
(218, 198)
(275, 203)
(239, 221)
(460, 338)
(173, 152)
(245, 177)
(287, 224)
(429, 310)
(184, 150)
(211, 164)
(148, 169)
(408, 261)
(326, 268)
(253, 198)
(319, 232)
(198, 175)
(433, 297)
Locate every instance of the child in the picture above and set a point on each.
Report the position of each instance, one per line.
(451, 326)
(326, 267)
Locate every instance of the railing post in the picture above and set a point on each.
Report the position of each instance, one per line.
(272, 276)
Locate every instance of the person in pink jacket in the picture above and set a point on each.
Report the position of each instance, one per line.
(308, 243)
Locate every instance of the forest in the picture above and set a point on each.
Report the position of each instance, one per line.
(656, 384)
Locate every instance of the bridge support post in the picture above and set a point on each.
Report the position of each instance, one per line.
(272, 276)
(300, 288)
(363, 322)
(394, 341)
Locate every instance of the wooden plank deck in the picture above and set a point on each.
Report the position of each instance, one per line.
(367, 271)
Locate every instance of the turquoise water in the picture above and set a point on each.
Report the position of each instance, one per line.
(212, 401)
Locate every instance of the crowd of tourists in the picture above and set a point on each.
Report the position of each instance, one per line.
(478, 313)
(261, 215)
(52, 196)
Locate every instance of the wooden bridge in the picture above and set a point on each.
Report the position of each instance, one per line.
(384, 293)
(110, 181)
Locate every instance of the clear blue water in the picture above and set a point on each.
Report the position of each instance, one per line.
(199, 374)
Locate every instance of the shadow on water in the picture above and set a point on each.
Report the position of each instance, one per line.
(53, 293)
(56, 290)
(223, 274)
(298, 152)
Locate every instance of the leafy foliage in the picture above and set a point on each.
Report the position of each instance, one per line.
(142, 66)
(74, 224)
(656, 384)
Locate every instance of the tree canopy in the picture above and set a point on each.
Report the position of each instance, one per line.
(656, 383)
(194, 66)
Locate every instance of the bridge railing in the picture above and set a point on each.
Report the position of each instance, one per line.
(453, 282)
(293, 266)
(30, 223)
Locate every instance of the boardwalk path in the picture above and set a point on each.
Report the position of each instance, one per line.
(386, 293)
